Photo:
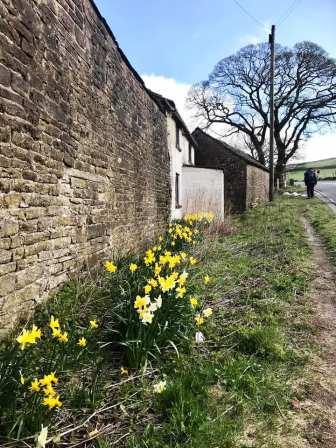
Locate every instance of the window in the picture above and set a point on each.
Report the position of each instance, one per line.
(190, 161)
(177, 137)
(177, 191)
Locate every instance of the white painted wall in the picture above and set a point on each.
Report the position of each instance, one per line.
(203, 190)
(177, 159)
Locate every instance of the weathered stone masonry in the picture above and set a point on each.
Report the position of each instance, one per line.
(83, 155)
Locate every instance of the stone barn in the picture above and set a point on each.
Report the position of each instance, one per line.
(246, 180)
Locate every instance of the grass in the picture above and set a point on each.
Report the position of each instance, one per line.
(233, 390)
(323, 220)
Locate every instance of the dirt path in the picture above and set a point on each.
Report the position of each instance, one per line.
(316, 413)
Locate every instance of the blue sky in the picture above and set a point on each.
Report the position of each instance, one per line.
(183, 39)
(175, 43)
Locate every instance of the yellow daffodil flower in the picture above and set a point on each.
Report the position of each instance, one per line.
(146, 317)
(110, 266)
(93, 324)
(49, 391)
(199, 319)
(123, 371)
(193, 302)
(48, 379)
(63, 337)
(157, 270)
(207, 312)
(181, 290)
(147, 289)
(160, 387)
(133, 267)
(206, 279)
(149, 258)
(82, 342)
(54, 323)
(52, 402)
(192, 261)
(153, 282)
(35, 385)
(141, 302)
(29, 337)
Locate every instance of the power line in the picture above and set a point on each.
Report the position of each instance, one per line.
(248, 13)
(289, 11)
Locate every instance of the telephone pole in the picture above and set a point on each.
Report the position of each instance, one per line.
(271, 153)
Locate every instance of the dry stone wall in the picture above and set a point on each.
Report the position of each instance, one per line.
(84, 166)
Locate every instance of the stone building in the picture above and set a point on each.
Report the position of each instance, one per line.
(84, 164)
(193, 188)
(246, 180)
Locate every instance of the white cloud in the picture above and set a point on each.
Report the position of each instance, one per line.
(173, 90)
(261, 35)
(319, 146)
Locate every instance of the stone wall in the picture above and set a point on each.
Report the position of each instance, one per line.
(83, 150)
(211, 153)
(257, 186)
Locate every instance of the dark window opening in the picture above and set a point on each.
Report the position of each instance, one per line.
(190, 155)
(178, 137)
(177, 191)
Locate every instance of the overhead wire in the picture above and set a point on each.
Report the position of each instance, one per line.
(247, 12)
(289, 11)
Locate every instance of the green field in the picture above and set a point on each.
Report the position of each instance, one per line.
(326, 167)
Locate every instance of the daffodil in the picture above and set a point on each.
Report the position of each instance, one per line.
(54, 323)
(146, 317)
(93, 324)
(207, 312)
(160, 387)
(147, 289)
(133, 267)
(56, 332)
(182, 278)
(158, 302)
(29, 337)
(35, 385)
(110, 266)
(49, 391)
(183, 255)
(123, 371)
(160, 239)
(22, 379)
(193, 302)
(181, 290)
(157, 270)
(63, 337)
(199, 319)
(141, 302)
(192, 260)
(150, 257)
(82, 342)
(52, 402)
(153, 282)
(206, 279)
(49, 379)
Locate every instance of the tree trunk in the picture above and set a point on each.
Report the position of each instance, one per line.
(279, 175)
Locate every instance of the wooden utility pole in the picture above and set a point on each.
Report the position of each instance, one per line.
(271, 153)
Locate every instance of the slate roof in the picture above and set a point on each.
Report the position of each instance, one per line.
(238, 152)
(169, 106)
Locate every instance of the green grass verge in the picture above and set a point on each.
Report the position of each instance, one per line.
(323, 220)
(324, 173)
(231, 391)
(234, 389)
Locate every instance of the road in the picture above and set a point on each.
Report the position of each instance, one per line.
(327, 189)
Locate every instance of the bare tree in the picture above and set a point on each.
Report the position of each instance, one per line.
(237, 94)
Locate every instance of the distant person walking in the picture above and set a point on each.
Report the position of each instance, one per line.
(310, 180)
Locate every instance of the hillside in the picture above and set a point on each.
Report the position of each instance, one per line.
(325, 163)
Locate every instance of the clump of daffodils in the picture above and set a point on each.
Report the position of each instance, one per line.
(46, 386)
(201, 217)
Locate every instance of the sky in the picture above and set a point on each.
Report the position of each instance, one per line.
(175, 43)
